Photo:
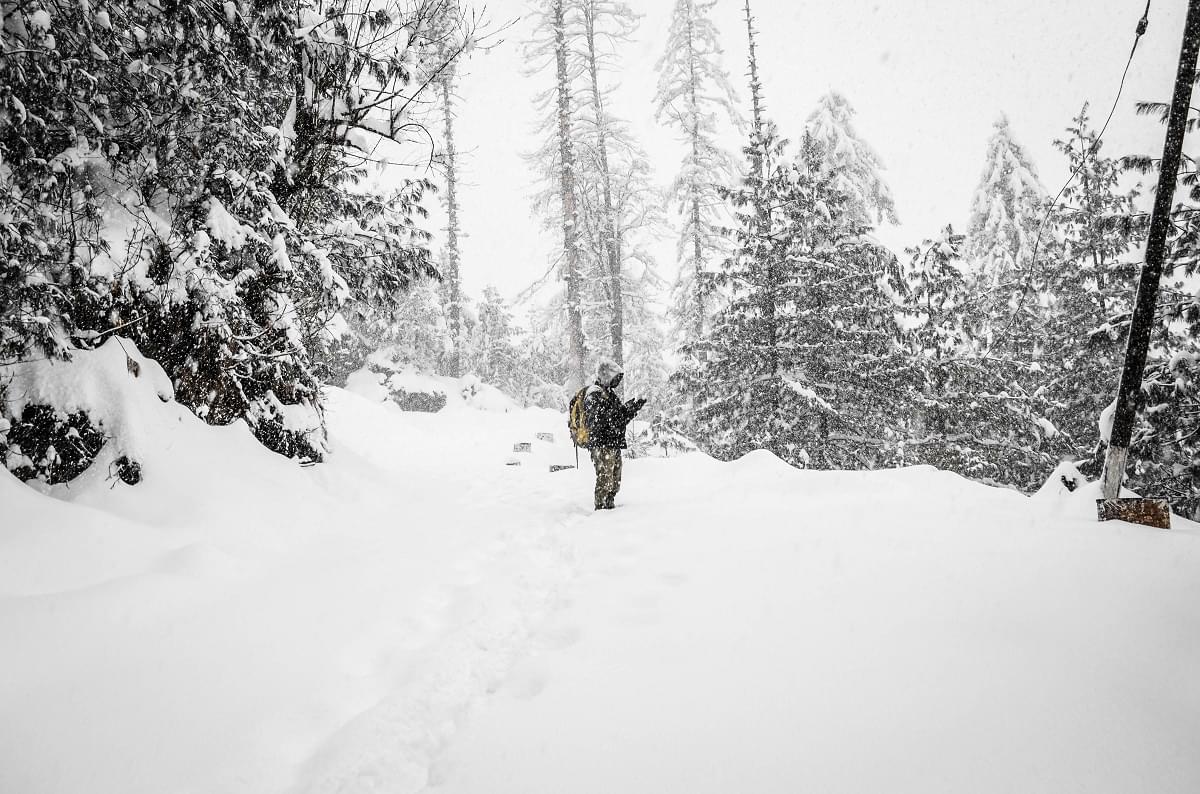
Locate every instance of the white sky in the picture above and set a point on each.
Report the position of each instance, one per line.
(927, 77)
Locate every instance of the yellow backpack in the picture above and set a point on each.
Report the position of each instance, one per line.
(575, 421)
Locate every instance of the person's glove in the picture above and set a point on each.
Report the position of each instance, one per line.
(633, 406)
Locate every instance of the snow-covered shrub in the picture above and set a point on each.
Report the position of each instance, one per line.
(49, 445)
(661, 437)
(59, 418)
(429, 402)
(161, 175)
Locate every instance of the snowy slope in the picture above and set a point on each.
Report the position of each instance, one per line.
(753, 628)
(416, 615)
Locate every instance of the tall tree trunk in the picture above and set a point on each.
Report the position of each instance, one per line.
(759, 163)
(608, 231)
(572, 272)
(698, 285)
(452, 276)
(755, 85)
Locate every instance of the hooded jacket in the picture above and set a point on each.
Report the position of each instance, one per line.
(604, 414)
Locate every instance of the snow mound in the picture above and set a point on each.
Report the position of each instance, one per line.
(1064, 482)
(761, 461)
(413, 614)
(114, 385)
(414, 390)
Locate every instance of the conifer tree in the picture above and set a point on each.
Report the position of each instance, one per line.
(1091, 287)
(616, 207)
(234, 139)
(1005, 212)
(695, 97)
(804, 360)
(557, 29)
(972, 413)
(450, 273)
(1165, 448)
(850, 161)
(605, 23)
(1010, 244)
(493, 353)
(1166, 440)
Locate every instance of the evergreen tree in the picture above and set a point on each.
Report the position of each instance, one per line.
(1005, 213)
(1091, 287)
(494, 356)
(1010, 244)
(451, 272)
(804, 361)
(232, 142)
(973, 414)
(850, 161)
(1165, 448)
(695, 97)
(614, 22)
(616, 208)
(557, 29)
(1005, 227)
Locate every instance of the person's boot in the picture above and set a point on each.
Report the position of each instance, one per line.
(608, 502)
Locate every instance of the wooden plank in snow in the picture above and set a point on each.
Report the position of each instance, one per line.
(1149, 512)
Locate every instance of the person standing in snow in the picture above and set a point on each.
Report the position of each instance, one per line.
(606, 418)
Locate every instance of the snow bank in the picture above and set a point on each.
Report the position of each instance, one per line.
(114, 385)
(746, 627)
(211, 629)
(400, 385)
(415, 614)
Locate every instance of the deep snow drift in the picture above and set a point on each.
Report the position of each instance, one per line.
(416, 615)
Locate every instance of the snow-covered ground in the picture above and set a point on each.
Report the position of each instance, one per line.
(416, 615)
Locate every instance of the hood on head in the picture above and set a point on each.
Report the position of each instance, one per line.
(609, 373)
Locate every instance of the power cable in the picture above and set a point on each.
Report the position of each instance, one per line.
(1140, 30)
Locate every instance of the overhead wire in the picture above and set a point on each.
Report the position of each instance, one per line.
(1027, 278)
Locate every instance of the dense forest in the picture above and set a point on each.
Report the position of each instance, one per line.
(242, 192)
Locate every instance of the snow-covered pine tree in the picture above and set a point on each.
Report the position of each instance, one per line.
(847, 341)
(1165, 449)
(804, 361)
(1166, 442)
(850, 161)
(1006, 212)
(418, 336)
(1001, 377)
(638, 218)
(492, 351)
(971, 415)
(757, 120)
(541, 368)
(229, 257)
(616, 207)
(605, 23)
(556, 32)
(451, 274)
(1091, 286)
(978, 413)
(934, 301)
(695, 97)
(450, 41)
(212, 285)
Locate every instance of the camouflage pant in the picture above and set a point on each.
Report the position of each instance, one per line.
(608, 475)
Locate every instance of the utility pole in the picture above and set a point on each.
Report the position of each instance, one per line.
(452, 274)
(1142, 321)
